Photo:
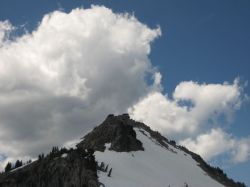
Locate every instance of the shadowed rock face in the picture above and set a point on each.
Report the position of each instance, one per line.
(75, 170)
(117, 130)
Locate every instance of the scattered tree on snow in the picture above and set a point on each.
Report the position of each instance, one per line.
(110, 171)
(106, 168)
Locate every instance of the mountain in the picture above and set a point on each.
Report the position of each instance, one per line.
(120, 152)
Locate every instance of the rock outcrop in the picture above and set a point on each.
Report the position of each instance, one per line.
(116, 130)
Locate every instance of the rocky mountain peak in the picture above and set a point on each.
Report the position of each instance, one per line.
(115, 130)
(84, 166)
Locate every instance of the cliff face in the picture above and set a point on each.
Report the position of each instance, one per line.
(73, 169)
(116, 130)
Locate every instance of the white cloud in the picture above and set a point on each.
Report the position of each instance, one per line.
(173, 116)
(211, 144)
(193, 110)
(217, 142)
(157, 79)
(68, 74)
(163, 114)
(5, 29)
(241, 151)
(210, 99)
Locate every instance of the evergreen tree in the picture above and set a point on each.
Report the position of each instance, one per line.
(40, 157)
(106, 168)
(54, 152)
(110, 171)
(172, 142)
(102, 166)
(18, 163)
(8, 167)
(29, 161)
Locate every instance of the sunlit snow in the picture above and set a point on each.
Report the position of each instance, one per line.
(156, 166)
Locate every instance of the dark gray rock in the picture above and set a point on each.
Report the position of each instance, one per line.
(124, 139)
(117, 130)
(72, 171)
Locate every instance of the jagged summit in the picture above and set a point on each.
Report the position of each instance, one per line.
(122, 134)
(116, 130)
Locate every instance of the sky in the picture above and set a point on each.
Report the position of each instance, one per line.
(181, 67)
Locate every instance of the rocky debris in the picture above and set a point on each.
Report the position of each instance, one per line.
(78, 169)
(116, 130)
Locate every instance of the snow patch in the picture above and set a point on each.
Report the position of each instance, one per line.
(24, 165)
(64, 155)
(154, 167)
(107, 145)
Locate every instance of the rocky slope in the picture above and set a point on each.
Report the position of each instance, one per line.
(66, 168)
(120, 152)
(114, 130)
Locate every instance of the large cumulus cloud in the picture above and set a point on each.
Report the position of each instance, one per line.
(67, 75)
(64, 77)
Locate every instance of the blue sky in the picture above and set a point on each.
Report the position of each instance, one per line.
(202, 41)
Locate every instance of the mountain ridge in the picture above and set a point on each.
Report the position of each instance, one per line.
(117, 134)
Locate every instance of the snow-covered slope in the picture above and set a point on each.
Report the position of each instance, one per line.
(156, 166)
(136, 155)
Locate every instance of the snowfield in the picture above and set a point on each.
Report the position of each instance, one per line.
(156, 166)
